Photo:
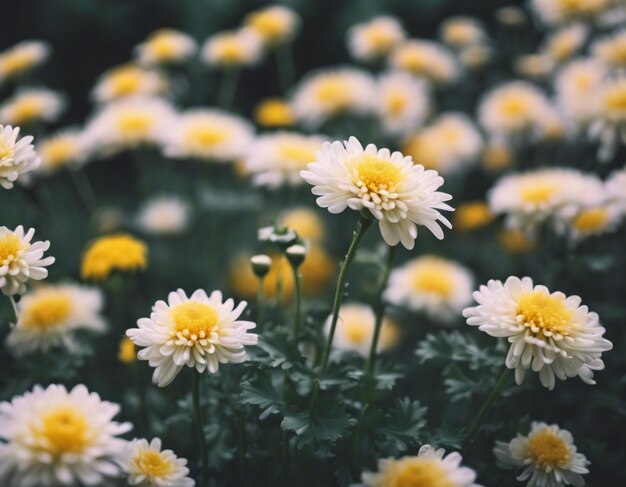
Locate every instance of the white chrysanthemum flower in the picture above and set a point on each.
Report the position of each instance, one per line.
(513, 110)
(199, 331)
(426, 59)
(17, 156)
(611, 50)
(55, 437)
(275, 24)
(441, 288)
(532, 197)
(21, 260)
(564, 43)
(31, 105)
(130, 123)
(402, 102)
(395, 191)
(375, 38)
(165, 46)
(149, 466)
(602, 12)
(277, 159)
(592, 221)
(209, 134)
(328, 93)
(577, 86)
(534, 66)
(609, 126)
(449, 144)
(355, 330)
(126, 81)
(461, 32)
(164, 215)
(429, 467)
(233, 49)
(475, 57)
(22, 57)
(49, 315)
(547, 457)
(64, 148)
(549, 332)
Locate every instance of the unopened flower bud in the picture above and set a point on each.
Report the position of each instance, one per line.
(261, 265)
(296, 255)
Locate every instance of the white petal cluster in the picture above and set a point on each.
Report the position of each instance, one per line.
(164, 215)
(22, 57)
(56, 437)
(609, 125)
(165, 46)
(426, 59)
(550, 333)
(17, 156)
(232, 49)
(375, 38)
(64, 148)
(147, 465)
(198, 331)
(399, 194)
(126, 81)
(30, 105)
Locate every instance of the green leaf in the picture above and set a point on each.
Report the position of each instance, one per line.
(262, 392)
(309, 429)
(456, 346)
(402, 425)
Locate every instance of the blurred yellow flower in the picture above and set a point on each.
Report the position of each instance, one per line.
(274, 112)
(127, 352)
(60, 149)
(114, 252)
(516, 242)
(274, 24)
(31, 105)
(471, 216)
(497, 156)
(22, 57)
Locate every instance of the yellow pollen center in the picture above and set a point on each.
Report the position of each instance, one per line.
(10, 247)
(230, 50)
(17, 61)
(418, 472)
(267, 24)
(58, 151)
(433, 278)
(126, 81)
(459, 33)
(578, 7)
(377, 175)
(543, 313)
(333, 93)
(163, 47)
(355, 331)
(135, 124)
(538, 192)
(514, 106)
(206, 136)
(63, 430)
(152, 464)
(194, 320)
(590, 220)
(301, 154)
(6, 150)
(548, 451)
(379, 38)
(615, 98)
(415, 60)
(396, 102)
(26, 110)
(47, 311)
(583, 82)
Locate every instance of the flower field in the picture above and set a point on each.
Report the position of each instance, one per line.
(375, 244)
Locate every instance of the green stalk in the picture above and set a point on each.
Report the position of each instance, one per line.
(297, 279)
(284, 62)
(260, 301)
(228, 88)
(14, 307)
(84, 190)
(197, 414)
(379, 311)
(484, 410)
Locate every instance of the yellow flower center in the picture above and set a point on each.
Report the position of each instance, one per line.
(63, 430)
(10, 246)
(206, 136)
(583, 82)
(515, 242)
(473, 215)
(274, 112)
(379, 38)
(459, 33)
(299, 153)
(577, 7)
(417, 472)
(152, 464)
(56, 152)
(125, 81)
(48, 310)
(515, 106)
(127, 353)
(542, 312)
(432, 277)
(26, 110)
(119, 252)
(135, 124)
(268, 25)
(396, 102)
(17, 62)
(615, 52)
(6, 150)
(548, 451)
(415, 60)
(355, 331)
(590, 220)
(194, 320)
(563, 46)
(334, 93)
(450, 133)
(538, 192)
(376, 175)
(230, 50)
(163, 47)
(615, 98)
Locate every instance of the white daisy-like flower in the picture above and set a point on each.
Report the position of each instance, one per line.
(534, 66)
(439, 287)
(564, 43)
(233, 49)
(375, 38)
(513, 110)
(276, 159)
(149, 466)
(22, 57)
(21, 260)
(126, 81)
(130, 123)
(275, 24)
(592, 221)
(164, 215)
(395, 191)
(547, 457)
(549, 332)
(532, 197)
(56, 437)
(64, 148)
(430, 467)
(48, 316)
(601, 12)
(165, 46)
(30, 105)
(355, 330)
(577, 86)
(611, 50)
(199, 331)
(17, 156)
(461, 32)
(328, 93)
(475, 57)
(449, 144)
(609, 125)
(426, 59)
(209, 134)
(402, 102)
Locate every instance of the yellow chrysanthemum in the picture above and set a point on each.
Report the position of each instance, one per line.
(117, 252)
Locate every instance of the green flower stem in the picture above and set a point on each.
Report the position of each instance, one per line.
(260, 301)
(14, 307)
(228, 88)
(197, 414)
(297, 279)
(284, 62)
(84, 190)
(141, 393)
(379, 311)
(484, 410)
